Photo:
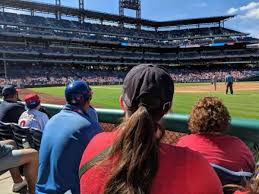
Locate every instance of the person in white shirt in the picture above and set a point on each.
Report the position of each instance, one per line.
(33, 118)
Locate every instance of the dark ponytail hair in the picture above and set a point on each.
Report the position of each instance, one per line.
(137, 149)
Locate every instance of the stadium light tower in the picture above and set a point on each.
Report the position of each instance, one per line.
(81, 7)
(58, 14)
(132, 5)
(81, 4)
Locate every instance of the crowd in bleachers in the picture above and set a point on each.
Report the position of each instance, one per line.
(186, 75)
(35, 25)
(60, 75)
(96, 52)
(68, 153)
(75, 156)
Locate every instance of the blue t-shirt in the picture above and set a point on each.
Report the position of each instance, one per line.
(92, 113)
(64, 140)
(229, 79)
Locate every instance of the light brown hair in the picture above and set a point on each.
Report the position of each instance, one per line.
(137, 146)
(208, 115)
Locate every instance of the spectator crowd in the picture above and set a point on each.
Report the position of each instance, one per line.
(76, 156)
(28, 76)
(50, 27)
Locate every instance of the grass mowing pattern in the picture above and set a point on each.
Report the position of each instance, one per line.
(244, 104)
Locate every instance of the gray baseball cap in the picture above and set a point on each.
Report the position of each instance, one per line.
(148, 85)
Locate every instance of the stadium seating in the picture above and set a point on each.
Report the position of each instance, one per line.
(36, 136)
(5, 131)
(36, 25)
(20, 133)
(61, 74)
(94, 51)
(228, 177)
(17, 133)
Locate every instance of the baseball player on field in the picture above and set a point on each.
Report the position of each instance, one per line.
(229, 83)
(214, 82)
(33, 118)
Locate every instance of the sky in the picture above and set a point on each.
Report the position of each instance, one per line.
(247, 11)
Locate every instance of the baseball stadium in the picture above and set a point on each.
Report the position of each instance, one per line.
(46, 46)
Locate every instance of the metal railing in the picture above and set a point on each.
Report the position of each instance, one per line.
(246, 129)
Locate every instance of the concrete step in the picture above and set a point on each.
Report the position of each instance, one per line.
(6, 183)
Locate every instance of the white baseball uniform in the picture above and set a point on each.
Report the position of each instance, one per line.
(33, 119)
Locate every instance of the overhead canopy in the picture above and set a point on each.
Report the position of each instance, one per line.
(69, 11)
(195, 21)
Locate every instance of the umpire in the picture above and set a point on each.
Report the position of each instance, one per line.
(229, 83)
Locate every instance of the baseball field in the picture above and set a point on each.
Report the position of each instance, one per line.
(243, 104)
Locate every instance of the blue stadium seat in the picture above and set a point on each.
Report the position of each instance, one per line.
(229, 177)
(36, 136)
(20, 133)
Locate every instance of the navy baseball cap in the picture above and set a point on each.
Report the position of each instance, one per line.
(150, 86)
(76, 91)
(9, 90)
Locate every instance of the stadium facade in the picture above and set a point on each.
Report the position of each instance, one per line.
(113, 42)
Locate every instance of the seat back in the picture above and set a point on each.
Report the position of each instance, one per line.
(20, 133)
(5, 131)
(36, 138)
(229, 177)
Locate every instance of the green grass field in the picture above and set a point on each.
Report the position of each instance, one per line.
(244, 104)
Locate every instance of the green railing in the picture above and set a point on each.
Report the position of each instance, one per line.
(246, 129)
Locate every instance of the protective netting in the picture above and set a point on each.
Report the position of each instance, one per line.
(169, 137)
(172, 137)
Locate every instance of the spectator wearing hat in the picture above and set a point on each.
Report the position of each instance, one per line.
(10, 159)
(64, 140)
(33, 117)
(10, 108)
(131, 159)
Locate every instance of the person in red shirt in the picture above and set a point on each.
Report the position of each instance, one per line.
(208, 122)
(131, 159)
(243, 192)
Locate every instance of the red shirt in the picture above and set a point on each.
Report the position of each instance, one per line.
(242, 192)
(180, 170)
(224, 150)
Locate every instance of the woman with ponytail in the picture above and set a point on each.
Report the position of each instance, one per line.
(131, 160)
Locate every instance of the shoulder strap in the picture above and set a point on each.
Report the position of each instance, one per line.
(89, 164)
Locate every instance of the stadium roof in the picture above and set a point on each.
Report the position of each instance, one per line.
(195, 21)
(69, 11)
